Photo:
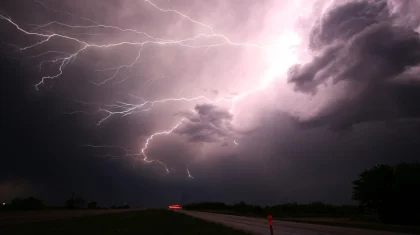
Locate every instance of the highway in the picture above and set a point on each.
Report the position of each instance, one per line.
(260, 226)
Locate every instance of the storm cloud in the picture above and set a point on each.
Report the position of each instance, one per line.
(360, 44)
(208, 123)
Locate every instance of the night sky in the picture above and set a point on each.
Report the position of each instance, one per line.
(263, 101)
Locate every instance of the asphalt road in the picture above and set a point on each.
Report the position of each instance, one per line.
(35, 216)
(260, 226)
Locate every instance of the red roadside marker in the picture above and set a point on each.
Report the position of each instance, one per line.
(270, 223)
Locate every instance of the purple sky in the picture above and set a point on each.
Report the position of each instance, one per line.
(262, 101)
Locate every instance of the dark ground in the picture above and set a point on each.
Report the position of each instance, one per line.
(337, 221)
(141, 222)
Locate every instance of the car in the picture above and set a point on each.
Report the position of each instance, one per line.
(175, 207)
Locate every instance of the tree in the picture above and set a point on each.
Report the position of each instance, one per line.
(29, 203)
(374, 186)
(392, 191)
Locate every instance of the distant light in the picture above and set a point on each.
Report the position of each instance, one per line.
(4, 203)
(175, 207)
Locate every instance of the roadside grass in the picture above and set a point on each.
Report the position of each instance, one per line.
(140, 222)
(369, 225)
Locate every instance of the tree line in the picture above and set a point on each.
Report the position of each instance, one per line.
(73, 203)
(391, 193)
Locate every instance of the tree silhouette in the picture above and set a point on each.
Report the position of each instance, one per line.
(392, 191)
(29, 203)
(374, 186)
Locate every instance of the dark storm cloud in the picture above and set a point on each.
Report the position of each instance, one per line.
(344, 22)
(359, 43)
(308, 76)
(378, 53)
(208, 123)
(282, 162)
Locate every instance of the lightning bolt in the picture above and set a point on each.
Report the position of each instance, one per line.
(127, 109)
(189, 174)
(62, 59)
(143, 150)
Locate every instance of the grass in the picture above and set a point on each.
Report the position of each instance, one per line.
(349, 224)
(141, 222)
(369, 226)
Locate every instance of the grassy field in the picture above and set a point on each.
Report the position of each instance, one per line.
(341, 222)
(142, 222)
(354, 224)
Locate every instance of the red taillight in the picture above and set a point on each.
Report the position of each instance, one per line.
(175, 207)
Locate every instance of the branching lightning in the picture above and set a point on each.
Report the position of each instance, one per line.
(121, 109)
(143, 150)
